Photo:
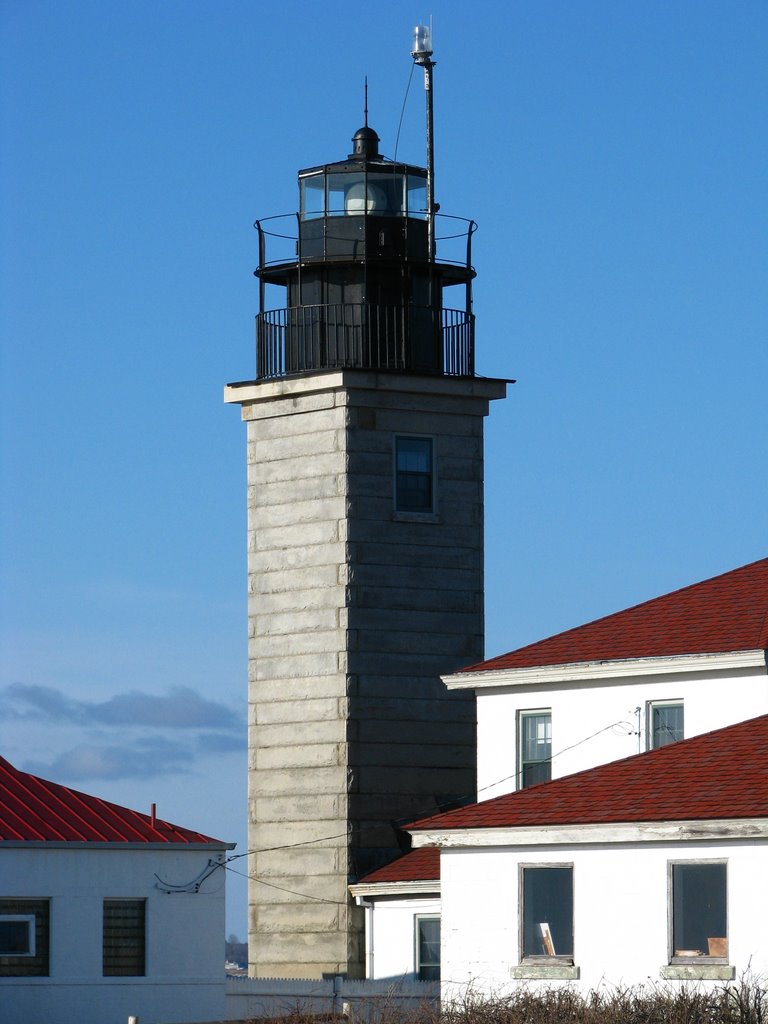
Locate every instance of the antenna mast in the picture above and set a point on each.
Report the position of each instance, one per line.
(422, 54)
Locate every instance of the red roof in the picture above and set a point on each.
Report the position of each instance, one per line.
(34, 810)
(722, 614)
(721, 774)
(416, 866)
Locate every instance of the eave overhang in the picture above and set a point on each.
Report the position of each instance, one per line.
(582, 671)
(704, 830)
(421, 887)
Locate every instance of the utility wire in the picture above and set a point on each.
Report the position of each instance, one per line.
(379, 828)
(402, 112)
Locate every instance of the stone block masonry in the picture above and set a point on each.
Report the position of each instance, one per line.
(355, 610)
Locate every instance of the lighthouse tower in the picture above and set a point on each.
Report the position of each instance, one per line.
(365, 545)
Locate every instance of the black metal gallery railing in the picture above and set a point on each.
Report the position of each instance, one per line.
(364, 336)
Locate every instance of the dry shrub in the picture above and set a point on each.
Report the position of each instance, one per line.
(744, 1003)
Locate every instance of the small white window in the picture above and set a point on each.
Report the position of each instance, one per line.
(534, 747)
(414, 474)
(665, 723)
(427, 935)
(699, 917)
(17, 934)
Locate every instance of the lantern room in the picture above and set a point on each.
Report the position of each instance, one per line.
(362, 287)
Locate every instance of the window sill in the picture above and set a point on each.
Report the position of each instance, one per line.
(697, 972)
(545, 972)
(415, 517)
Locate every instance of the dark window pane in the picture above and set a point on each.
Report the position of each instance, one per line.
(413, 469)
(124, 937)
(428, 948)
(698, 909)
(548, 911)
(14, 937)
(666, 724)
(535, 749)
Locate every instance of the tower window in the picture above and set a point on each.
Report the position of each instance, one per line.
(414, 474)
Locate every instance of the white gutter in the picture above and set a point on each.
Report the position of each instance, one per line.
(582, 671)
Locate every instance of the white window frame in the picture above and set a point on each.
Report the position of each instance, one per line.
(30, 921)
(422, 514)
(674, 957)
(522, 714)
(649, 730)
(417, 919)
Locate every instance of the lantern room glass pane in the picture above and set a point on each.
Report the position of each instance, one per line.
(312, 196)
(387, 192)
(417, 197)
(338, 185)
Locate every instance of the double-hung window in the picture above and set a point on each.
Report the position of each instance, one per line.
(414, 474)
(534, 747)
(427, 935)
(547, 912)
(699, 916)
(665, 723)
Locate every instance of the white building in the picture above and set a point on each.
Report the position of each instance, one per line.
(646, 870)
(677, 666)
(402, 917)
(105, 912)
(673, 667)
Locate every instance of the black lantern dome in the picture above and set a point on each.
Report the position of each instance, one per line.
(363, 291)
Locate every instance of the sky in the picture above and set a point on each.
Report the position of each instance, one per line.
(614, 157)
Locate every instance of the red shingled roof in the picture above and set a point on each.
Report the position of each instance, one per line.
(721, 774)
(722, 614)
(34, 810)
(416, 866)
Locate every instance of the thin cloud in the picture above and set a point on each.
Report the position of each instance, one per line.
(179, 708)
(127, 761)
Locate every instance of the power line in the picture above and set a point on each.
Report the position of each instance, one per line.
(379, 828)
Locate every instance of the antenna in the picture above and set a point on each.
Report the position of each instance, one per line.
(366, 101)
(422, 54)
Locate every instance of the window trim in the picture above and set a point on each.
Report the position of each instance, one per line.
(419, 515)
(31, 921)
(649, 709)
(522, 714)
(417, 963)
(693, 961)
(542, 960)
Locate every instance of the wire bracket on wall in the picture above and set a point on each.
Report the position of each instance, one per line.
(194, 885)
